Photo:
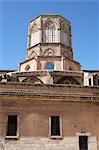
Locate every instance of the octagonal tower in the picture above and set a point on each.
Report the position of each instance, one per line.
(49, 45)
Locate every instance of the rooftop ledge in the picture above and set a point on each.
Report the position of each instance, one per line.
(44, 72)
(60, 90)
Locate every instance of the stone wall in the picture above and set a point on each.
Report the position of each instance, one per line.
(69, 143)
(77, 106)
(34, 115)
(56, 90)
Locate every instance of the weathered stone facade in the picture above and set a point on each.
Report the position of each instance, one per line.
(77, 106)
(45, 104)
(91, 77)
(49, 40)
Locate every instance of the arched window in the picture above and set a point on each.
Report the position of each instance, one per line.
(49, 66)
(49, 33)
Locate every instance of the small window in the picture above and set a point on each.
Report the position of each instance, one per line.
(55, 127)
(98, 81)
(70, 68)
(49, 66)
(83, 142)
(11, 127)
(27, 68)
(90, 81)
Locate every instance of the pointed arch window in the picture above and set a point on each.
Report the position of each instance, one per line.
(49, 33)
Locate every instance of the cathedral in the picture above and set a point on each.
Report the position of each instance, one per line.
(49, 103)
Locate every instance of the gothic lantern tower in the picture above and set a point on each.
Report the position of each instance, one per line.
(49, 45)
(45, 105)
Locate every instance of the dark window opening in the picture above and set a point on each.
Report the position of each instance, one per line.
(98, 81)
(12, 126)
(70, 68)
(83, 142)
(55, 126)
(27, 67)
(90, 81)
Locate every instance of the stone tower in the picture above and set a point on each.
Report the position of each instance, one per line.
(49, 45)
(45, 105)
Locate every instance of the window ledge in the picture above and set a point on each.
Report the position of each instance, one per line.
(56, 137)
(11, 137)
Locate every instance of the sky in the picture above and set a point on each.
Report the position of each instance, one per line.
(16, 14)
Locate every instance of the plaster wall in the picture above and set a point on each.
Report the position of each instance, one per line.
(34, 115)
(32, 63)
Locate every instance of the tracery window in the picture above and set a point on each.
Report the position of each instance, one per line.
(34, 38)
(49, 33)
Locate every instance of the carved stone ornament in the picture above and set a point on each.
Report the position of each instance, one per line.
(33, 54)
(48, 23)
(66, 54)
(33, 27)
(64, 26)
(49, 52)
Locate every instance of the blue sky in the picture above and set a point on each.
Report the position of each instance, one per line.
(15, 16)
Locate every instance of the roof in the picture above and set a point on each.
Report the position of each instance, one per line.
(6, 71)
(91, 71)
(54, 15)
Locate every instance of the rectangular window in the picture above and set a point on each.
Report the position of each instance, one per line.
(83, 142)
(35, 38)
(98, 81)
(49, 35)
(90, 81)
(12, 126)
(55, 126)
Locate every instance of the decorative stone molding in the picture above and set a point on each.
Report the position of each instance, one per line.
(49, 52)
(83, 134)
(33, 54)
